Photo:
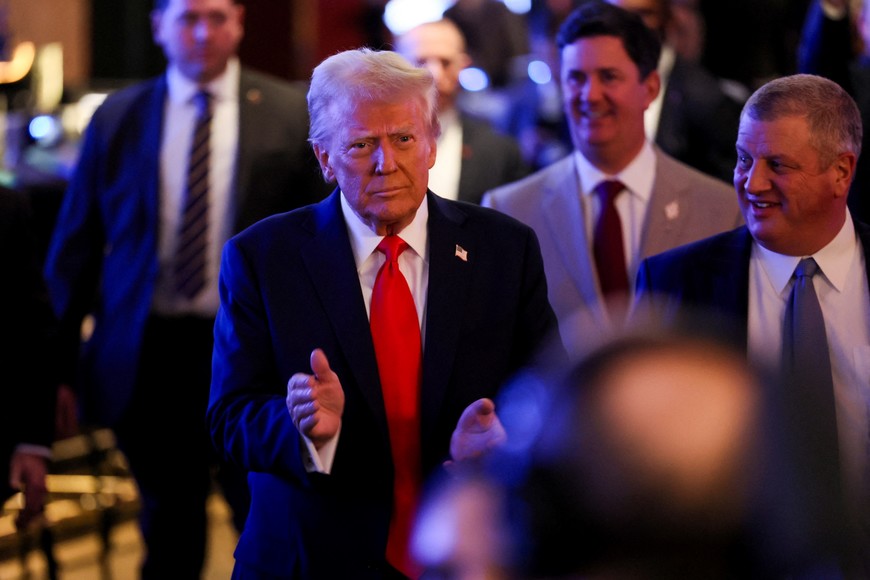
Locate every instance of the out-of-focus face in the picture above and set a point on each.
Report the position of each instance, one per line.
(790, 202)
(679, 426)
(605, 100)
(380, 156)
(440, 48)
(864, 25)
(651, 11)
(199, 36)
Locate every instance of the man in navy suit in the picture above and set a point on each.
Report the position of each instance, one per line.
(797, 148)
(828, 48)
(296, 392)
(145, 369)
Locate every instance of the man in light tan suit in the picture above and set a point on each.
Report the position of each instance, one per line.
(608, 79)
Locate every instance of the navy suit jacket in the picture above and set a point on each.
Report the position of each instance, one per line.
(826, 49)
(103, 258)
(709, 277)
(288, 285)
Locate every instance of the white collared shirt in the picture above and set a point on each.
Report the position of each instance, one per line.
(843, 293)
(178, 121)
(444, 175)
(413, 262)
(653, 113)
(414, 265)
(638, 178)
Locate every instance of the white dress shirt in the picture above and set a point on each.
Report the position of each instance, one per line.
(653, 113)
(444, 175)
(638, 178)
(179, 117)
(843, 294)
(414, 265)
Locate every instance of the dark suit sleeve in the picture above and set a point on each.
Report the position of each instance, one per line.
(249, 423)
(825, 46)
(27, 412)
(75, 251)
(538, 335)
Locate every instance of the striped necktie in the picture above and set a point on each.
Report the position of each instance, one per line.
(190, 258)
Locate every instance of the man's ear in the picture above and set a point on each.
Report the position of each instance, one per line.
(653, 84)
(844, 172)
(323, 159)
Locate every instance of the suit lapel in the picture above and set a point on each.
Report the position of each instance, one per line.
(149, 166)
(251, 120)
(331, 266)
(667, 213)
(729, 271)
(466, 170)
(449, 279)
(563, 212)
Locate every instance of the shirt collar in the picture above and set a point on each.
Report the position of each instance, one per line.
(637, 177)
(363, 240)
(833, 259)
(224, 87)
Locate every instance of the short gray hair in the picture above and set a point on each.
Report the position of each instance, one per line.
(833, 117)
(364, 74)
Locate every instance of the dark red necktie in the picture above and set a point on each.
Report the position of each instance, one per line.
(396, 335)
(607, 246)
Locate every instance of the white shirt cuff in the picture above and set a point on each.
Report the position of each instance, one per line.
(320, 461)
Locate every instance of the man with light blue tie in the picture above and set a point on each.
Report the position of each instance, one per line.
(797, 148)
(137, 247)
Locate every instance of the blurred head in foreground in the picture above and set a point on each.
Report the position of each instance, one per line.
(647, 457)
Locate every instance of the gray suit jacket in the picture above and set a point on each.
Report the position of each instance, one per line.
(685, 206)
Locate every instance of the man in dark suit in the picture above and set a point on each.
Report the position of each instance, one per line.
(297, 293)
(694, 118)
(27, 412)
(145, 370)
(797, 148)
(609, 78)
(472, 157)
(827, 48)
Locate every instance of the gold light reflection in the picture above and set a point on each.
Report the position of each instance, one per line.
(22, 61)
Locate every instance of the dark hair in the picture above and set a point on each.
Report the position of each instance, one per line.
(598, 18)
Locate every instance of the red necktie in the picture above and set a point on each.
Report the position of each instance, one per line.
(607, 245)
(396, 335)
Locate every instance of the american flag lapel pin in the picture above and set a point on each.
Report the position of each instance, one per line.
(461, 253)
